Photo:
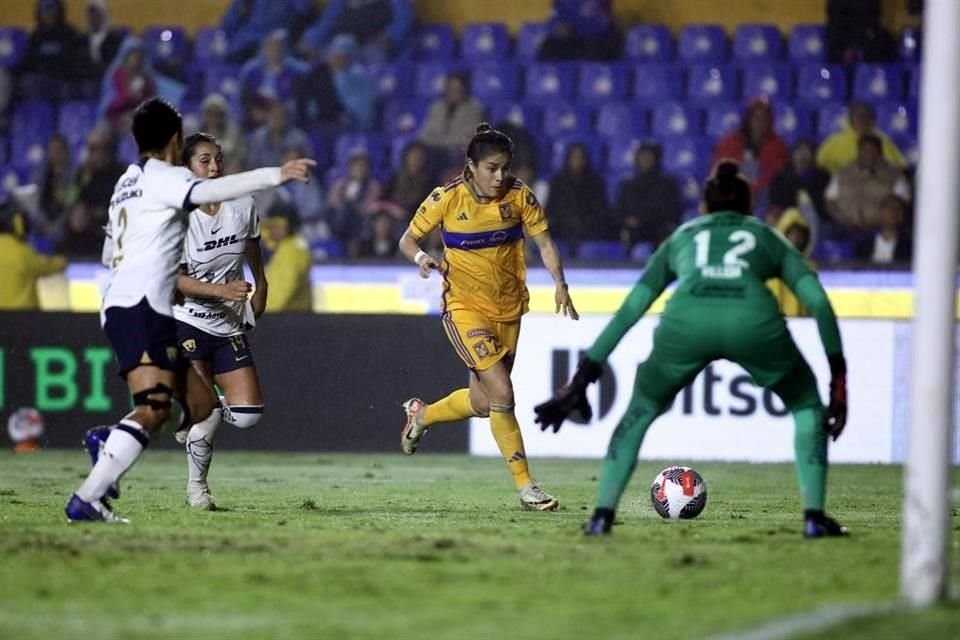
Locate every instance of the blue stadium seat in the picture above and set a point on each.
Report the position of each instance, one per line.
(876, 82)
(676, 119)
(706, 43)
(527, 116)
(223, 79)
(649, 43)
(792, 123)
(398, 144)
(757, 42)
(485, 41)
(612, 181)
(563, 119)
(322, 250)
(770, 79)
(402, 117)
(657, 82)
(707, 83)
(831, 118)
(76, 119)
(210, 45)
(392, 80)
(601, 82)
(3, 150)
(435, 42)
(558, 151)
(529, 39)
(722, 117)
(430, 76)
(641, 251)
(896, 119)
(910, 44)
(167, 45)
(13, 44)
(127, 152)
(818, 84)
(601, 251)
(550, 81)
(32, 122)
(322, 143)
(491, 81)
(690, 214)
(687, 154)
(621, 119)
(347, 143)
(833, 251)
(913, 80)
(691, 188)
(808, 43)
(620, 153)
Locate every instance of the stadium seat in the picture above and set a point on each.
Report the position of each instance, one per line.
(641, 251)
(896, 119)
(402, 117)
(223, 79)
(612, 181)
(876, 82)
(76, 119)
(676, 119)
(529, 39)
(347, 143)
(210, 45)
(831, 118)
(563, 119)
(690, 214)
(808, 43)
(321, 141)
(703, 43)
(522, 115)
(435, 42)
(322, 250)
(792, 123)
(657, 82)
(29, 130)
(127, 152)
(621, 119)
(834, 251)
(392, 80)
(757, 42)
(770, 79)
(167, 46)
(491, 81)
(4, 145)
(558, 151)
(485, 41)
(687, 154)
(649, 43)
(550, 81)
(398, 144)
(722, 117)
(601, 251)
(620, 153)
(691, 188)
(600, 82)
(913, 81)
(13, 44)
(430, 76)
(818, 84)
(910, 43)
(707, 83)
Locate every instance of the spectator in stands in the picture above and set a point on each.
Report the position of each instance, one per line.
(381, 28)
(891, 242)
(306, 199)
(273, 76)
(20, 265)
(268, 143)
(581, 30)
(132, 83)
(412, 181)
(215, 119)
(800, 175)
(53, 179)
(381, 241)
(757, 147)
(246, 22)
(82, 236)
(52, 58)
(648, 205)
(353, 199)
(101, 42)
(97, 176)
(354, 86)
(288, 268)
(855, 33)
(577, 202)
(840, 149)
(793, 225)
(855, 192)
(451, 122)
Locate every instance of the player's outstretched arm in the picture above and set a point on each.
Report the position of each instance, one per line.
(552, 262)
(410, 248)
(248, 182)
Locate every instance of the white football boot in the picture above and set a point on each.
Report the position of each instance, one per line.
(413, 430)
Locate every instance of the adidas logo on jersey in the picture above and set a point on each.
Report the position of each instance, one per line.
(209, 245)
(462, 216)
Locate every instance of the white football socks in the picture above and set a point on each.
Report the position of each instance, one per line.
(200, 446)
(122, 448)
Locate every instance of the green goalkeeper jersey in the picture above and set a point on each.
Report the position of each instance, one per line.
(721, 262)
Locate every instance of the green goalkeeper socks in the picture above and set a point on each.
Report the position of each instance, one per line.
(810, 445)
(622, 451)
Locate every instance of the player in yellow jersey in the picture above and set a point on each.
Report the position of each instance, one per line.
(484, 215)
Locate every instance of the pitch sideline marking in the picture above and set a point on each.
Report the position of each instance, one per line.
(816, 620)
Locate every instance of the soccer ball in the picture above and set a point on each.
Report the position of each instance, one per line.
(678, 492)
(25, 428)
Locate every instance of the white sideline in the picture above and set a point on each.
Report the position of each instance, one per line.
(810, 622)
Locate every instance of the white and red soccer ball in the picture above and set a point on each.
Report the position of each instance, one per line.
(25, 428)
(678, 492)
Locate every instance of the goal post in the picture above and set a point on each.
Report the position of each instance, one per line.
(924, 566)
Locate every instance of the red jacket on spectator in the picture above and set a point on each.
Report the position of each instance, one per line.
(756, 134)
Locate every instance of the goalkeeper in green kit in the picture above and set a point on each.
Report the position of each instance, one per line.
(720, 309)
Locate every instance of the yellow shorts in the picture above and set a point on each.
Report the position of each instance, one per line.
(480, 342)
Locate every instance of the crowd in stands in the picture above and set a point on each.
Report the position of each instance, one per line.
(615, 126)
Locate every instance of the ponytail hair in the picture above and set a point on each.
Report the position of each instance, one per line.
(727, 190)
(487, 141)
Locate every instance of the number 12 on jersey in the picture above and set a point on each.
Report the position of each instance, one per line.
(740, 242)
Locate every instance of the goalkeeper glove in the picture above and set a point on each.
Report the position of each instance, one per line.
(836, 417)
(569, 398)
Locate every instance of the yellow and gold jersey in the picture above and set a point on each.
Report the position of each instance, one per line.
(483, 265)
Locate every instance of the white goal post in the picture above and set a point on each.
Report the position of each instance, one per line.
(924, 567)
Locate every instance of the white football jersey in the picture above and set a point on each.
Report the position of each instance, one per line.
(214, 252)
(145, 234)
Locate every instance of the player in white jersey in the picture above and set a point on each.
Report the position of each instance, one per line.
(215, 313)
(145, 248)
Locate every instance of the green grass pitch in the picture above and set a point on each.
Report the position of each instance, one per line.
(437, 546)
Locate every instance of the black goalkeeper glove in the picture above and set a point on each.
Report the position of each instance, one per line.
(836, 417)
(569, 398)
